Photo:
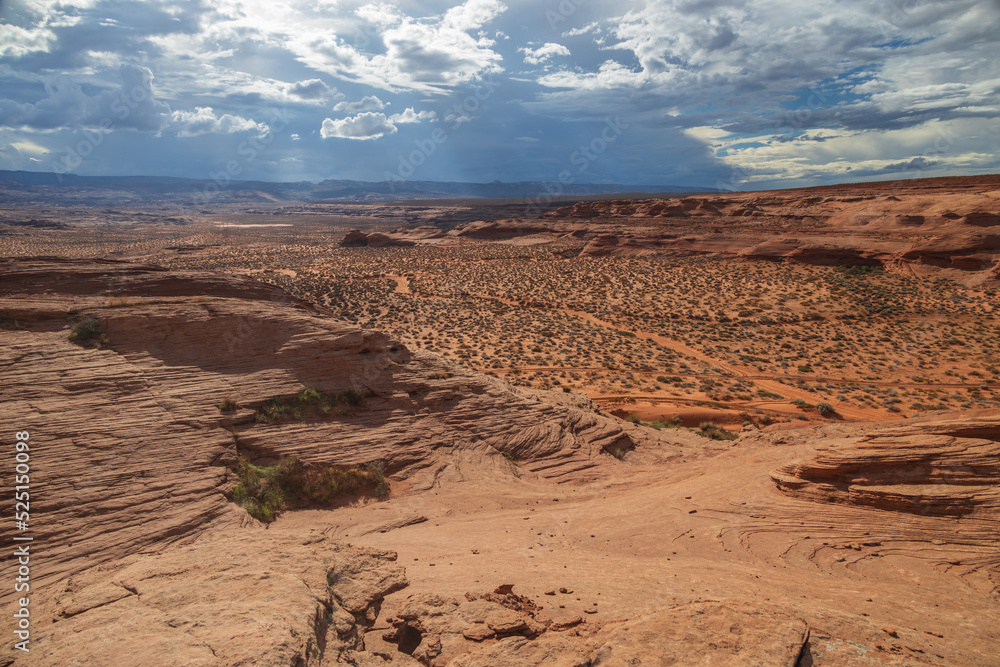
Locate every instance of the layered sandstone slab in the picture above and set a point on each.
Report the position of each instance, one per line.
(521, 527)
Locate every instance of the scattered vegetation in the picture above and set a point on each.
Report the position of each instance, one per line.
(227, 405)
(264, 491)
(660, 425)
(309, 404)
(542, 316)
(713, 431)
(88, 333)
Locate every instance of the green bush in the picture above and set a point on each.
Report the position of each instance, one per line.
(825, 409)
(258, 492)
(713, 431)
(354, 396)
(309, 404)
(87, 333)
(264, 491)
(227, 405)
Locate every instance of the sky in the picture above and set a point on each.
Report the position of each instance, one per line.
(736, 95)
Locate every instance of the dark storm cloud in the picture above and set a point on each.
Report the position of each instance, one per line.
(113, 26)
(916, 163)
(711, 90)
(132, 105)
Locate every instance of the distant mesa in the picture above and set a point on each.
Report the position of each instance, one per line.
(112, 190)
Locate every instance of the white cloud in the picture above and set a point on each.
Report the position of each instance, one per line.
(590, 28)
(939, 96)
(379, 15)
(930, 149)
(26, 146)
(368, 125)
(427, 54)
(543, 53)
(367, 103)
(204, 121)
(411, 116)
(16, 41)
(610, 74)
(456, 120)
(310, 89)
(363, 127)
(472, 14)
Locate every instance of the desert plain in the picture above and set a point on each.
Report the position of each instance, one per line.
(712, 429)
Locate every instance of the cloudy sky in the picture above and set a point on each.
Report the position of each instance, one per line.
(716, 93)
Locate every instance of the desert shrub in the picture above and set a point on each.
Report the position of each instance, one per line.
(227, 405)
(660, 425)
(265, 490)
(354, 396)
(87, 333)
(713, 431)
(257, 492)
(309, 404)
(825, 409)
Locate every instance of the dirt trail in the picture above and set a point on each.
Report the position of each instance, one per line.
(729, 370)
(764, 382)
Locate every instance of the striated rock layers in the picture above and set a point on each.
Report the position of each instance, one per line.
(131, 453)
(949, 225)
(521, 528)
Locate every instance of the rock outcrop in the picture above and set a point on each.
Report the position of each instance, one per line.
(865, 224)
(135, 455)
(938, 469)
(399, 237)
(521, 528)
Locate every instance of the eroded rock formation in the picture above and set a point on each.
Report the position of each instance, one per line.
(521, 528)
(944, 224)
